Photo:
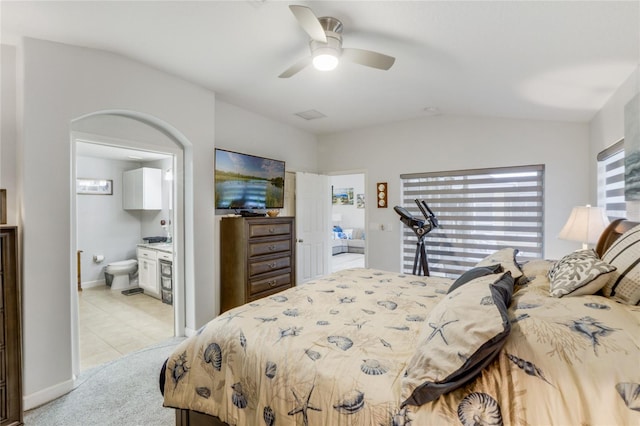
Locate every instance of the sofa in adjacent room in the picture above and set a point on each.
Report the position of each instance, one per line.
(347, 240)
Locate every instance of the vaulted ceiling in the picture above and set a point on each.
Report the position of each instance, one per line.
(549, 60)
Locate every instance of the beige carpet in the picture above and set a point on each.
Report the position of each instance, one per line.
(122, 392)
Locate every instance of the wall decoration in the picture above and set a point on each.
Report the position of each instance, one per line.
(360, 201)
(381, 188)
(343, 196)
(3, 206)
(632, 149)
(94, 186)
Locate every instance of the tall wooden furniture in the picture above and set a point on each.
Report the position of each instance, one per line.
(257, 258)
(10, 335)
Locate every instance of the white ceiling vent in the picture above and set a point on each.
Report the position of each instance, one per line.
(312, 114)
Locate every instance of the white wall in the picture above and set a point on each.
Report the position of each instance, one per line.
(104, 228)
(352, 216)
(58, 83)
(457, 143)
(8, 132)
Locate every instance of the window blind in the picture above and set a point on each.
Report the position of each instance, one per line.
(611, 180)
(479, 211)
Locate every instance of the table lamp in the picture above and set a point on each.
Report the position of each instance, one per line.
(585, 225)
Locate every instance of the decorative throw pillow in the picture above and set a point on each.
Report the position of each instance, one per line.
(579, 273)
(533, 268)
(462, 335)
(473, 273)
(623, 285)
(505, 257)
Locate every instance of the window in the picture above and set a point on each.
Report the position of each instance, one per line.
(611, 180)
(479, 211)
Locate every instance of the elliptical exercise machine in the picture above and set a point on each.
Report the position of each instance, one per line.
(421, 227)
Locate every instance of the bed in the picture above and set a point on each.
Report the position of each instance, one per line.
(371, 347)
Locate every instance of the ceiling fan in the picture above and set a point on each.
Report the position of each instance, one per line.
(326, 45)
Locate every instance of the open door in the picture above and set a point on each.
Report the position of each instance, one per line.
(313, 210)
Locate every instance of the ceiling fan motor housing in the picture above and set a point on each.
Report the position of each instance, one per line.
(333, 31)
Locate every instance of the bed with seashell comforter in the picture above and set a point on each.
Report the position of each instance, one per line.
(541, 343)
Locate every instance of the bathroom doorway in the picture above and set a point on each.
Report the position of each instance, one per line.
(348, 221)
(119, 310)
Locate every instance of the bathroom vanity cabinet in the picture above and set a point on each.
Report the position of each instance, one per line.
(142, 189)
(148, 271)
(10, 333)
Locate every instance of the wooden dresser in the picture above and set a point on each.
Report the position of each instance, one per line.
(10, 337)
(257, 258)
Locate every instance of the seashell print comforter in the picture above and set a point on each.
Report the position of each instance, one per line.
(333, 352)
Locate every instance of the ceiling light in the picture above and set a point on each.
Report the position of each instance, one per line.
(325, 55)
(325, 61)
(134, 157)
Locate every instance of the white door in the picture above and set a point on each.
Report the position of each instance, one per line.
(313, 209)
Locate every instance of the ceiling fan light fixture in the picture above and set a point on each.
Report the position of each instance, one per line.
(325, 61)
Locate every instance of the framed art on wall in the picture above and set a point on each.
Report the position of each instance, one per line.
(94, 186)
(343, 196)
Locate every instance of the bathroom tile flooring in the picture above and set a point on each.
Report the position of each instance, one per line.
(112, 324)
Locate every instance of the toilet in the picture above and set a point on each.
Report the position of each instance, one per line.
(118, 274)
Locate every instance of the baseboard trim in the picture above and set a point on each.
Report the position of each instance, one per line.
(90, 284)
(39, 398)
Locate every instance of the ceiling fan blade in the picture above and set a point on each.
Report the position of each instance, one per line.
(309, 22)
(368, 58)
(295, 68)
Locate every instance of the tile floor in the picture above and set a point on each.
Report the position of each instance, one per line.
(346, 260)
(112, 324)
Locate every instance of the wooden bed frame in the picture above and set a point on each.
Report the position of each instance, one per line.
(609, 235)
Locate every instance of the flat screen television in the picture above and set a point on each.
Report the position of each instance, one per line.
(244, 181)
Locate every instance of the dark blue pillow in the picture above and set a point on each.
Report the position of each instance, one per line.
(337, 228)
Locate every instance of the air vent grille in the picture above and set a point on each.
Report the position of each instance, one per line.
(311, 114)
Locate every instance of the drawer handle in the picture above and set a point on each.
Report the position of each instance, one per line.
(273, 265)
(272, 283)
(272, 230)
(272, 247)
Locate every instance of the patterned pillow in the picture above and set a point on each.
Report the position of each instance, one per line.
(579, 273)
(624, 284)
(505, 257)
(454, 345)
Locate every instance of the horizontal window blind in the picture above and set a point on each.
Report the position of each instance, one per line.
(479, 211)
(611, 180)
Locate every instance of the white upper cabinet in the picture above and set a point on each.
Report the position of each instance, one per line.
(142, 189)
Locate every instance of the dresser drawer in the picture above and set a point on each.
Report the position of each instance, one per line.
(264, 284)
(261, 267)
(266, 229)
(258, 249)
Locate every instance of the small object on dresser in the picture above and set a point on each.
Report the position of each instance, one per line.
(273, 213)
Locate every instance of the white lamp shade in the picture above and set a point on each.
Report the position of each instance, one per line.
(585, 225)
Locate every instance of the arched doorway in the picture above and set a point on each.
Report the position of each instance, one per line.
(131, 129)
